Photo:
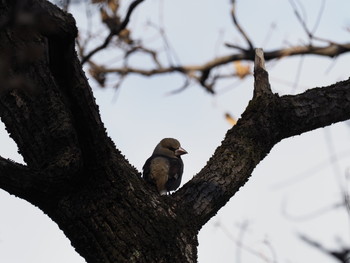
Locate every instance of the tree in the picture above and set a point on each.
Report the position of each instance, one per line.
(75, 174)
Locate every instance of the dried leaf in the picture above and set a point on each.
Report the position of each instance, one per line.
(124, 35)
(104, 15)
(98, 74)
(113, 5)
(242, 70)
(231, 120)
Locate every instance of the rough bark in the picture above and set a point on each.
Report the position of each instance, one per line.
(77, 176)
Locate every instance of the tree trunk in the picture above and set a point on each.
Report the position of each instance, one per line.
(76, 175)
(108, 222)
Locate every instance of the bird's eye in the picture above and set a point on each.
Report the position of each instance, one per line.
(172, 149)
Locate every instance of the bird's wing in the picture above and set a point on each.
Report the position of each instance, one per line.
(175, 173)
(146, 169)
(156, 171)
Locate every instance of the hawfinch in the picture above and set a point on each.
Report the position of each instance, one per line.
(164, 168)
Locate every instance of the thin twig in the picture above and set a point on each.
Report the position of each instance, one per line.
(243, 229)
(341, 255)
(140, 48)
(240, 244)
(319, 16)
(235, 47)
(169, 50)
(311, 215)
(112, 33)
(239, 28)
(182, 88)
(201, 72)
(300, 19)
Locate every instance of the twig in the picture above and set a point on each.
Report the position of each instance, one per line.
(268, 34)
(301, 20)
(169, 51)
(312, 214)
(319, 16)
(239, 28)
(182, 88)
(341, 255)
(139, 48)
(235, 46)
(243, 229)
(312, 171)
(240, 244)
(201, 72)
(310, 33)
(114, 32)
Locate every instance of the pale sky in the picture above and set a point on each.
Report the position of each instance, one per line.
(300, 176)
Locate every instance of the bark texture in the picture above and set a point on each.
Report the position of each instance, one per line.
(78, 177)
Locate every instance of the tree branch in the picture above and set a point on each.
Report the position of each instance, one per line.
(267, 120)
(261, 84)
(239, 28)
(196, 72)
(342, 255)
(30, 101)
(47, 104)
(23, 182)
(114, 32)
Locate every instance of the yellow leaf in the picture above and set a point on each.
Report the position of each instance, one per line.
(242, 70)
(231, 120)
(124, 35)
(104, 14)
(113, 5)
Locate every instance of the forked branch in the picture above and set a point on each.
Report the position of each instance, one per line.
(267, 120)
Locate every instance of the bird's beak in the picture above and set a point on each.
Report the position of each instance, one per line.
(180, 151)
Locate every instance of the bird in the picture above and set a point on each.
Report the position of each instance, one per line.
(165, 167)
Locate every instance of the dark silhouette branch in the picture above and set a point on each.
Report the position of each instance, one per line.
(342, 255)
(19, 180)
(267, 120)
(261, 83)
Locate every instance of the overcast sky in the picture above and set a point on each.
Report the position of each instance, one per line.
(300, 176)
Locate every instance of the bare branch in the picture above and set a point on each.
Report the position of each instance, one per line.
(241, 246)
(19, 180)
(235, 46)
(183, 87)
(259, 60)
(201, 72)
(139, 48)
(342, 255)
(311, 214)
(300, 19)
(309, 33)
(240, 29)
(266, 121)
(319, 16)
(114, 32)
(261, 84)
